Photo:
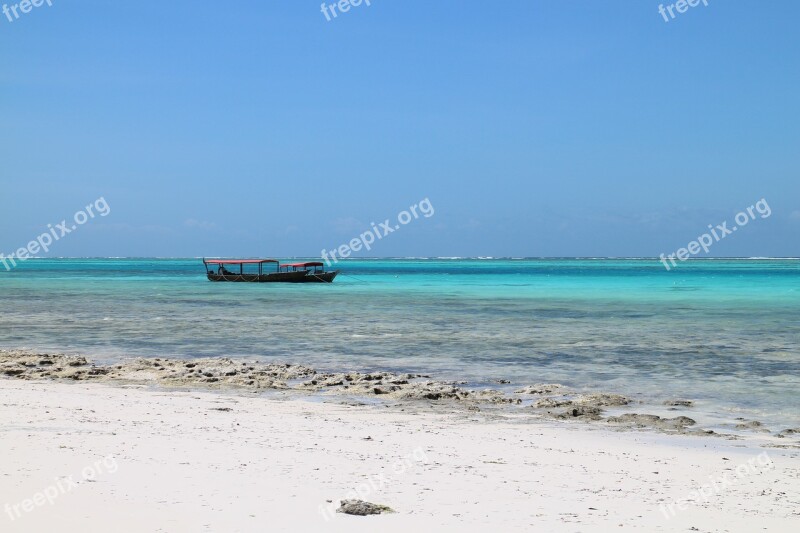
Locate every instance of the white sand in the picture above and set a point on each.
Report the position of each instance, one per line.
(269, 464)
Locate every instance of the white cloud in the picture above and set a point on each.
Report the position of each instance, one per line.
(472, 224)
(199, 224)
(348, 225)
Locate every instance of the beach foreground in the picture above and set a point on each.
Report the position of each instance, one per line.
(98, 456)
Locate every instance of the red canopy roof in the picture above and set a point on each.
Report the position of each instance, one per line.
(312, 264)
(238, 261)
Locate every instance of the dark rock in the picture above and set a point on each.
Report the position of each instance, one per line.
(552, 402)
(602, 399)
(539, 388)
(753, 425)
(654, 421)
(679, 403)
(584, 411)
(680, 421)
(634, 419)
(362, 508)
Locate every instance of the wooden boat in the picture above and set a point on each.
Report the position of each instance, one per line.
(216, 270)
(317, 275)
(221, 272)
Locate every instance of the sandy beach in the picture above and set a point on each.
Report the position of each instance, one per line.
(125, 456)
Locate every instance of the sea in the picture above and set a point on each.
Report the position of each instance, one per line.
(724, 333)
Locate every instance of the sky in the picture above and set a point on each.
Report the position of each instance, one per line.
(534, 128)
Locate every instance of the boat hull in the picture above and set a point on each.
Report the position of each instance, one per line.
(274, 277)
(320, 277)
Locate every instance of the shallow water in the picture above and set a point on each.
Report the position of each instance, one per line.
(723, 332)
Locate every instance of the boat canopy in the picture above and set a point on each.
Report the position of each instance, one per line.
(238, 261)
(300, 265)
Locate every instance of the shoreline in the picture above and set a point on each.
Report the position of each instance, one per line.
(420, 392)
(163, 459)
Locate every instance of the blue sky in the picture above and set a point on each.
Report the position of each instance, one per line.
(535, 128)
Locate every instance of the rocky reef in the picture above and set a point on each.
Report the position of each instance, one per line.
(545, 400)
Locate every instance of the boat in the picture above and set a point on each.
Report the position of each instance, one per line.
(318, 275)
(217, 270)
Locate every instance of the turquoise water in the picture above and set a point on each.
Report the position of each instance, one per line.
(724, 332)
